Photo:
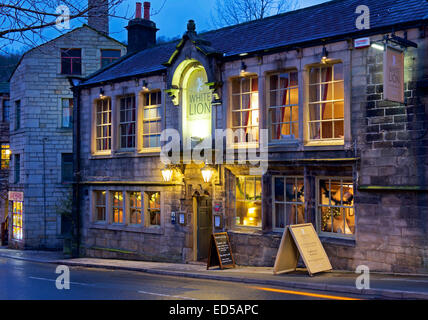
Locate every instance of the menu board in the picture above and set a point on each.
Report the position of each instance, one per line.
(301, 240)
(220, 253)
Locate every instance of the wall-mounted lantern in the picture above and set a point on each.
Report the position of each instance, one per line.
(324, 55)
(167, 173)
(101, 93)
(145, 85)
(207, 173)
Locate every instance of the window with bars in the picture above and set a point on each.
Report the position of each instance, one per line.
(153, 209)
(5, 156)
(117, 207)
(326, 103)
(127, 122)
(248, 201)
(283, 106)
(108, 56)
(288, 201)
(103, 125)
(71, 61)
(245, 108)
(152, 122)
(135, 208)
(335, 207)
(100, 198)
(67, 113)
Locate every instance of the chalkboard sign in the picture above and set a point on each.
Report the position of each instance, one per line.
(220, 253)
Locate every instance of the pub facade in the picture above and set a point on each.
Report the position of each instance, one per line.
(253, 127)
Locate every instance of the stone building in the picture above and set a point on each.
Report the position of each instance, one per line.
(305, 89)
(41, 130)
(5, 150)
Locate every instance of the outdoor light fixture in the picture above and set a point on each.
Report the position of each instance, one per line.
(167, 173)
(145, 85)
(324, 54)
(378, 46)
(101, 93)
(207, 173)
(243, 67)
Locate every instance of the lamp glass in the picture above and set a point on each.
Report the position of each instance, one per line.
(207, 174)
(167, 174)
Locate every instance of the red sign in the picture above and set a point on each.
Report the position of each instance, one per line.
(362, 43)
(16, 196)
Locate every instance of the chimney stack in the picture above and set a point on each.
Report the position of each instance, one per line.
(141, 32)
(98, 15)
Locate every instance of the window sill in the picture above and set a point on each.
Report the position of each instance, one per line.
(346, 242)
(245, 146)
(325, 143)
(127, 228)
(247, 230)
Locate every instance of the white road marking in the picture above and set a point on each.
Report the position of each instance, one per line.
(51, 280)
(166, 295)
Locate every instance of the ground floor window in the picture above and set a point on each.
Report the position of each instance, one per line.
(335, 209)
(135, 206)
(288, 201)
(117, 207)
(100, 206)
(153, 209)
(17, 233)
(248, 201)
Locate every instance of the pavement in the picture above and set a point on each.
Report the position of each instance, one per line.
(382, 286)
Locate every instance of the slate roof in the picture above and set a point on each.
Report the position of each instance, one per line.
(327, 20)
(4, 87)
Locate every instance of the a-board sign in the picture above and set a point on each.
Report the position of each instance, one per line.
(220, 252)
(301, 240)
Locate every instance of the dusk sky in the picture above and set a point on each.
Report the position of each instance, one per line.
(171, 20)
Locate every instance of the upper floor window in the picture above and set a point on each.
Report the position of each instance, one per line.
(67, 113)
(108, 56)
(249, 201)
(326, 103)
(335, 208)
(6, 110)
(245, 108)
(17, 114)
(283, 106)
(127, 122)
(103, 125)
(71, 61)
(152, 122)
(5, 156)
(17, 168)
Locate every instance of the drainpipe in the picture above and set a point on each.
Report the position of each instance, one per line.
(76, 171)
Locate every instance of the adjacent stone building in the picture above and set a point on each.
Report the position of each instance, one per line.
(5, 154)
(305, 89)
(41, 130)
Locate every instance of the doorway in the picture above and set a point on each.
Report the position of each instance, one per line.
(204, 226)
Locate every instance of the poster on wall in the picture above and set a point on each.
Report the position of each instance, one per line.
(393, 75)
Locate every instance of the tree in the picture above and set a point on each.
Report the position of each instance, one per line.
(23, 21)
(231, 12)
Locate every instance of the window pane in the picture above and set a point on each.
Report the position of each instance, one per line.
(280, 215)
(338, 71)
(279, 189)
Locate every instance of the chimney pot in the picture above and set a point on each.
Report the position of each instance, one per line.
(138, 10)
(147, 10)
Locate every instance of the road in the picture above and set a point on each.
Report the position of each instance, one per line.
(23, 280)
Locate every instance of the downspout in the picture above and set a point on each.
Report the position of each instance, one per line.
(76, 172)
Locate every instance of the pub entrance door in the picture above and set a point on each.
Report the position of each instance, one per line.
(204, 226)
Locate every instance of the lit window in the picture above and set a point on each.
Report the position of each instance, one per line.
(283, 106)
(5, 156)
(100, 206)
(103, 125)
(71, 61)
(288, 201)
(127, 121)
(245, 108)
(249, 201)
(336, 211)
(6, 110)
(152, 125)
(17, 232)
(117, 207)
(67, 113)
(153, 213)
(108, 56)
(326, 103)
(135, 206)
